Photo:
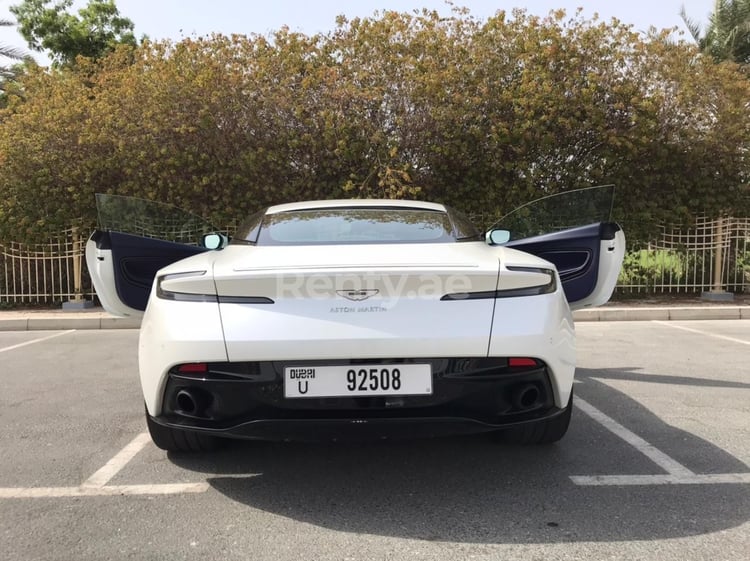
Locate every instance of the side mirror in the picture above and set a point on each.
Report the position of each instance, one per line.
(214, 241)
(497, 237)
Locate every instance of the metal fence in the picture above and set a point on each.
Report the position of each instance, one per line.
(678, 261)
(46, 273)
(685, 260)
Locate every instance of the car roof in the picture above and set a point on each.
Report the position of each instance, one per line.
(356, 203)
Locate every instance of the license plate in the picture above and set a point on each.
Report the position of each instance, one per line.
(357, 380)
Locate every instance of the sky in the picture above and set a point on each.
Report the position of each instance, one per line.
(174, 19)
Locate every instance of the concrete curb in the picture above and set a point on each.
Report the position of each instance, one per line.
(676, 313)
(58, 320)
(98, 319)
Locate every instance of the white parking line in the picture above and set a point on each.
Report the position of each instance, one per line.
(112, 467)
(697, 479)
(671, 466)
(706, 333)
(109, 490)
(677, 474)
(96, 485)
(19, 345)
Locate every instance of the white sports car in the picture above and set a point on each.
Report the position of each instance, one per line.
(356, 318)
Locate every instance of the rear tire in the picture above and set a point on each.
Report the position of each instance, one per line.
(546, 431)
(176, 440)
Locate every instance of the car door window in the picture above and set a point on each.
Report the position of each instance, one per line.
(558, 212)
(150, 219)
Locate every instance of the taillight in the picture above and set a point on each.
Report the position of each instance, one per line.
(521, 361)
(193, 367)
(164, 294)
(546, 288)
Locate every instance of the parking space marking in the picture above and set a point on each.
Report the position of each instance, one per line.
(112, 467)
(96, 485)
(108, 490)
(19, 345)
(699, 332)
(697, 479)
(671, 466)
(677, 474)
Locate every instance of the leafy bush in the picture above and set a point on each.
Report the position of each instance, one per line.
(647, 268)
(483, 115)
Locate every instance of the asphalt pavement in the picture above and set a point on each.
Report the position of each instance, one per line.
(655, 466)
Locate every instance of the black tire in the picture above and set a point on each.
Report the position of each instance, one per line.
(176, 440)
(546, 431)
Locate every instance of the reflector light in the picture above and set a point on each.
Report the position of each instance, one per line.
(518, 361)
(194, 367)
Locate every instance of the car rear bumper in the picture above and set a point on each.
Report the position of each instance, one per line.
(350, 429)
(247, 400)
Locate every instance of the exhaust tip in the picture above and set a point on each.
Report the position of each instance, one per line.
(526, 397)
(191, 402)
(186, 402)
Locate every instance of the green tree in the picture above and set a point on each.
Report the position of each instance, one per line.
(9, 55)
(95, 31)
(13, 62)
(727, 35)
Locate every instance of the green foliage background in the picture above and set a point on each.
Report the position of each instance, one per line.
(483, 115)
(50, 25)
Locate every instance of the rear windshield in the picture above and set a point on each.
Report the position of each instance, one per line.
(353, 226)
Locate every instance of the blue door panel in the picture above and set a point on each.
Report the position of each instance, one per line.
(137, 259)
(575, 254)
(569, 263)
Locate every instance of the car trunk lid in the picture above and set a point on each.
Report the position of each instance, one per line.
(359, 301)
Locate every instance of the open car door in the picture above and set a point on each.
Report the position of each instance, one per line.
(135, 239)
(573, 230)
